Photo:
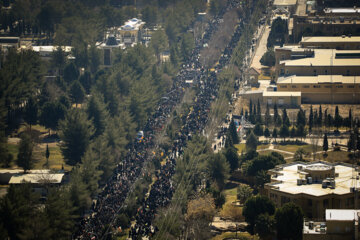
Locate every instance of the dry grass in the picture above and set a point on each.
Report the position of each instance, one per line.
(267, 152)
(233, 235)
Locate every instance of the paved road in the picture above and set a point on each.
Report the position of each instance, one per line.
(261, 49)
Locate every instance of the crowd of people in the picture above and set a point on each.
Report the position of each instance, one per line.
(112, 197)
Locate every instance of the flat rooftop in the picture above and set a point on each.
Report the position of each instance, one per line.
(286, 179)
(342, 10)
(327, 57)
(320, 79)
(341, 214)
(285, 2)
(37, 178)
(330, 39)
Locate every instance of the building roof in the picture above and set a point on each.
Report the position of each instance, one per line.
(342, 10)
(320, 79)
(342, 214)
(281, 94)
(49, 49)
(330, 39)
(327, 57)
(37, 178)
(287, 175)
(284, 2)
(132, 24)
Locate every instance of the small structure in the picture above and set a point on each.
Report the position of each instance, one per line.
(289, 99)
(314, 186)
(131, 32)
(46, 52)
(339, 224)
(253, 76)
(108, 46)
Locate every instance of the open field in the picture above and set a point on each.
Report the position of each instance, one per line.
(294, 148)
(335, 156)
(232, 235)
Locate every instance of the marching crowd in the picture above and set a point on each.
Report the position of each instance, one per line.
(112, 197)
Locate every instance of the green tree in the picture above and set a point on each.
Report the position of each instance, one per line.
(232, 157)
(258, 130)
(31, 112)
(301, 120)
(285, 118)
(284, 132)
(311, 119)
(218, 169)
(233, 133)
(275, 133)
(77, 92)
(58, 59)
(300, 154)
(251, 142)
(289, 221)
(337, 119)
(159, 42)
(47, 155)
(267, 132)
(276, 115)
(86, 81)
(71, 73)
(60, 213)
(255, 206)
(278, 33)
(51, 113)
(75, 133)
(17, 209)
(244, 192)
(264, 226)
(97, 113)
(268, 59)
(268, 119)
(325, 143)
(79, 194)
(25, 158)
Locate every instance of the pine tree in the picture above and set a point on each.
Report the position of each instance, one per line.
(97, 113)
(320, 117)
(311, 119)
(77, 92)
(267, 116)
(47, 155)
(60, 213)
(31, 112)
(285, 118)
(267, 132)
(25, 158)
(275, 134)
(301, 120)
(75, 133)
(325, 143)
(233, 132)
(337, 118)
(251, 142)
(250, 108)
(284, 131)
(276, 114)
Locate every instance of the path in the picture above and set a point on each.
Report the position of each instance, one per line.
(261, 49)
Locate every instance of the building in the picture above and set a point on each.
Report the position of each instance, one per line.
(326, 22)
(315, 186)
(313, 62)
(323, 89)
(339, 224)
(46, 52)
(9, 42)
(282, 99)
(289, 5)
(331, 42)
(108, 46)
(131, 32)
(253, 76)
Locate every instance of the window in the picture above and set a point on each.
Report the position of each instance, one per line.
(282, 57)
(328, 86)
(348, 72)
(317, 86)
(351, 86)
(269, 101)
(281, 101)
(283, 86)
(306, 86)
(315, 72)
(339, 86)
(326, 72)
(294, 86)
